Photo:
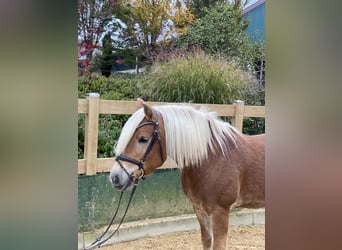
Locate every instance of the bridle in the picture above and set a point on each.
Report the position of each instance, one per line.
(155, 136)
(140, 164)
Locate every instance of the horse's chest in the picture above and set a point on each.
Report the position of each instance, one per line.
(207, 189)
(198, 188)
(191, 185)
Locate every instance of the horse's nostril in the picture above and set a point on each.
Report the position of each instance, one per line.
(115, 179)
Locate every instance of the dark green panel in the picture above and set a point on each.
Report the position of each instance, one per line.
(159, 195)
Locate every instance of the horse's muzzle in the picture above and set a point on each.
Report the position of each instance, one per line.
(119, 183)
(116, 182)
(120, 179)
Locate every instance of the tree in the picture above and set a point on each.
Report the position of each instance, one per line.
(140, 26)
(197, 7)
(153, 22)
(221, 31)
(107, 57)
(95, 17)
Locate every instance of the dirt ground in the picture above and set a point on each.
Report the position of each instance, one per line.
(239, 237)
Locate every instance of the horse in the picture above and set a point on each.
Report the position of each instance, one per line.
(221, 168)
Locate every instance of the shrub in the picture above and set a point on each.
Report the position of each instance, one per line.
(198, 78)
(117, 87)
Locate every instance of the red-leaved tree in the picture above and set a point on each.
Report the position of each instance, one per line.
(95, 17)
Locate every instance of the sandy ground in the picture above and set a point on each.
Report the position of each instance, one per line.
(239, 237)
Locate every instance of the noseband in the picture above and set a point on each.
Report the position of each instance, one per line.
(140, 164)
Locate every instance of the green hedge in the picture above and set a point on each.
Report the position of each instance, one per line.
(116, 87)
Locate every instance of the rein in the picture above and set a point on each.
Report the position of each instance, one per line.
(155, 136)
(98, 242)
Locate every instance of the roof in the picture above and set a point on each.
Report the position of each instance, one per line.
(252, 5)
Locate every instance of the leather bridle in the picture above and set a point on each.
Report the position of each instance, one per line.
(155, 136)
(140, 164)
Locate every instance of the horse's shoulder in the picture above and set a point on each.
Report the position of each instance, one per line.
(254, 141)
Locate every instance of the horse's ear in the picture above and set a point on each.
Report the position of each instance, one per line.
(147, 109)
(140, 103)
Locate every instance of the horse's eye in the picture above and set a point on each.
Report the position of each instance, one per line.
(143, 139)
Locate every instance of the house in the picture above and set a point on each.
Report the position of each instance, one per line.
(254, 11)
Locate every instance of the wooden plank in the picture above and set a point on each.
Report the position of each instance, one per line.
(254, 111)
(117, 107)
(82, 106)
(169, 163)
(91, 134)
(220, 109)
(81, 166)
(239, 112)
(104, 164)
(129, 107)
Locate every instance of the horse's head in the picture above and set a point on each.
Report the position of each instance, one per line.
(144, 152)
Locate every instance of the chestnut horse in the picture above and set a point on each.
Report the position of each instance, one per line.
(221, 167)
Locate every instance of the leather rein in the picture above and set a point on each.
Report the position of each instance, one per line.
(155, 136)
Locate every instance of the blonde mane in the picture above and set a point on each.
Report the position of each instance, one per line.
(190, 133)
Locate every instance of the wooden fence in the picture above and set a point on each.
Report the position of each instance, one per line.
(92, 106)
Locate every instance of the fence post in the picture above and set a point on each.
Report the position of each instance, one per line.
(91, 133)
(238, 117)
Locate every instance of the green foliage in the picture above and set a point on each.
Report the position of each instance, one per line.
(221, 31)
(197, 7)
(198, 78)
(119, 87)
(253, 126)
(109, 132)
(81, 126)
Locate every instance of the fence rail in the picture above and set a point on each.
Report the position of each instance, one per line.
(92, 106)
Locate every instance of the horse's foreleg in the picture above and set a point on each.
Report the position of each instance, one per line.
(219, 221)
(206, 230)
